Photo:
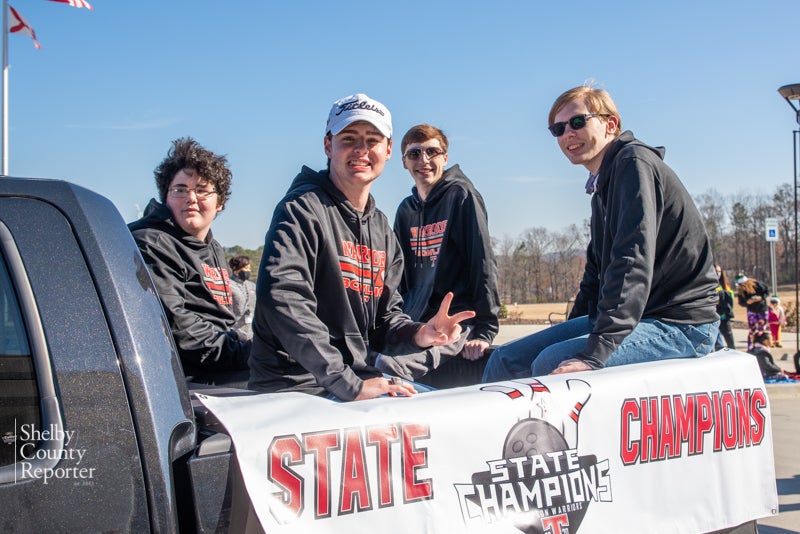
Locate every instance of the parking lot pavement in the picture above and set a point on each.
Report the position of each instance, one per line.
(785, 410)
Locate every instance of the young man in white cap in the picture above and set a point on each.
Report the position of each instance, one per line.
(327, 299)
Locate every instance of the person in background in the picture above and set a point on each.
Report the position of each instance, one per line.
(649, 287)
(326, 297)
(725, 308)
(443, 231)
(752, 294)
(244, 295)
(760, 342)
(776, 317)
(187, 265)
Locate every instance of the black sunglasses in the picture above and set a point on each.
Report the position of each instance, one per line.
(415, 153)
(576, 123)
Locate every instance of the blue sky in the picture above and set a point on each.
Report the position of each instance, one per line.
(99, 104)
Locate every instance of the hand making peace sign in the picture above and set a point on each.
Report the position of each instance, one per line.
(442, 329)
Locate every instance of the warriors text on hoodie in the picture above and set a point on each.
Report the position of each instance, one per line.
(193, 285)
(447, 247)
(326, 297)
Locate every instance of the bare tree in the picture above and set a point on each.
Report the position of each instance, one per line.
(504, 251)
(783, 204)
(542, 265)
(566, 262)
(712, 209)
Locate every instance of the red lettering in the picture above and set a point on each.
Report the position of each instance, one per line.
(554, 524)
(667, 447)
(364, 254)
(704, 420)
(649, 422)
(413, 459)
(684, 422)
(321, 445)
(284, 452)
(716, 421)
(758, 401)
(728, 420)
(355, 487)
(667, 423)
(629, 449)
(382, 438)
(743, 424)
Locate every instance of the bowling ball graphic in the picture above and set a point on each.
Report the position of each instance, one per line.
(530, 437)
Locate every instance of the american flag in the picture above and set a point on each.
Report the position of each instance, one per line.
(18, 24)
(75, 3)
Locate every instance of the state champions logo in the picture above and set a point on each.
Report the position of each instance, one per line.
(540, 485)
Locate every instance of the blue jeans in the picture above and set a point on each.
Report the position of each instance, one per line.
(651, 340)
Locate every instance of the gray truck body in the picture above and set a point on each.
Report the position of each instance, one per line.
(100, 375)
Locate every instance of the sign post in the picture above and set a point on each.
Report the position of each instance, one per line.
(771, 227)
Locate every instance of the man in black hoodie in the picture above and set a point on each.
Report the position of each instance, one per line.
(649, 287)
(326, 297)
(443, 230)
(187, 264)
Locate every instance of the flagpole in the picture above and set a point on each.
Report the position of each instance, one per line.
(4, 170)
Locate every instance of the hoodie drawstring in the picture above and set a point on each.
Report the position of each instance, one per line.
(418, 245)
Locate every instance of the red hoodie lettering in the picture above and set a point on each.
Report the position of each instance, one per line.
(216, 280)
(363, 269)
(426, 241)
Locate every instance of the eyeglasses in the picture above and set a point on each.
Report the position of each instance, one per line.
(576, 123)
(415, 153)
(181, 191)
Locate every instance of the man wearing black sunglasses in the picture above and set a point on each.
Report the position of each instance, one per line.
(648, 289)
(444, 234)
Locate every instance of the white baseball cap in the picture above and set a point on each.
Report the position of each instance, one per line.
(359, 107)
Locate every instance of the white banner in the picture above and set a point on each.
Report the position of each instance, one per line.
(676, 446)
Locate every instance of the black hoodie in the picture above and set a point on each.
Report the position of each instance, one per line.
(326, 297)
(193, 285)
(649, 255)
(447, 247)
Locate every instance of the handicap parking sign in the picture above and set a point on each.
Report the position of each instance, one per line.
(771, 225)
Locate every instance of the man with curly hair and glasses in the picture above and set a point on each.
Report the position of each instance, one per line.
(649, 287)
(187, 264)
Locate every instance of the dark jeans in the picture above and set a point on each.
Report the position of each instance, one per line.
(727, 333)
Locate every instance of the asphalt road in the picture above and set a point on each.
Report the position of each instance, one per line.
(785, 411)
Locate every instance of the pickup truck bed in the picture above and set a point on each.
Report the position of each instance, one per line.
(99, 430)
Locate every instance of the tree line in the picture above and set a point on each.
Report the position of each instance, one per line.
(544, 265)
